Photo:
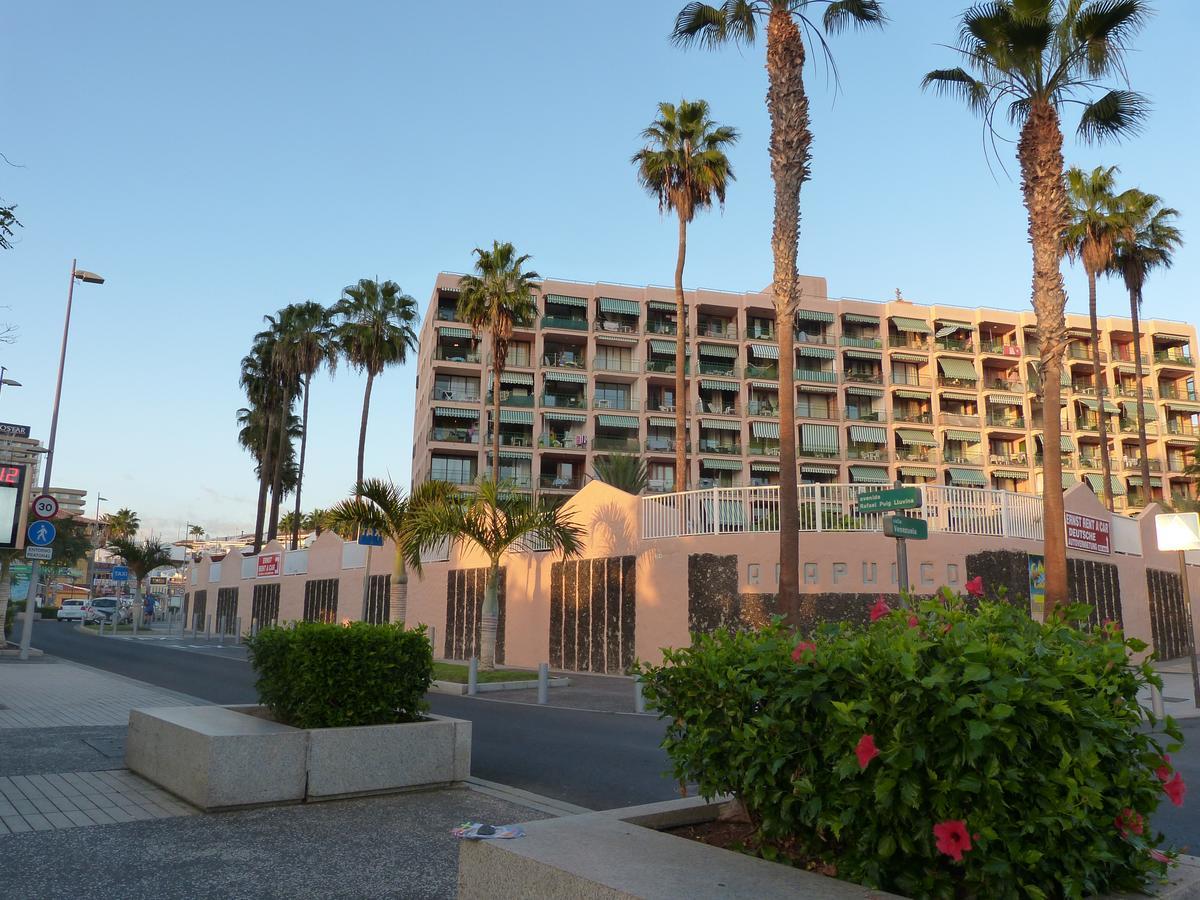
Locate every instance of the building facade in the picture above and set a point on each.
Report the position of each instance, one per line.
(884, 391)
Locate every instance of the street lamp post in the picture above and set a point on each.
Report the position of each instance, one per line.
(86, 277)
(91, 569)
(7, 381)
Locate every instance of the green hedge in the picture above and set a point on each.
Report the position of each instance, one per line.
(317, 675)
(942, 752)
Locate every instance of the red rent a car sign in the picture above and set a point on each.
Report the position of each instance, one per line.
(1086, 533)
(268, 565)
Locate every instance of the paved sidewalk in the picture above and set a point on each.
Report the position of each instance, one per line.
(74, 799)
(600, 693)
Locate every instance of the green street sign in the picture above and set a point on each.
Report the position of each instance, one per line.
(889, 500)
(905, 527)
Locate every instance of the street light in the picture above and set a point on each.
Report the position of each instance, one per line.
(86, 277)
(7, 381)
(91, 569)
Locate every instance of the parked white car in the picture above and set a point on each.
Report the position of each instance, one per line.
(71, 610)
(106, 609)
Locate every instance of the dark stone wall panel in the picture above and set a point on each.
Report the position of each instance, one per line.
(592, 614)
(712, 592)
(599, 615)
(556, 615)
(583, 615)
(1007, 569)
(465, 591)
(612, 617)
(628, 611)
(1168, 615)
(570, 571)
(1096, 584)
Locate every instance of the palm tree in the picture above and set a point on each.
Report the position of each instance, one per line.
(124, 523)
(284, 376)
(496, 520)
(498, 296)
(374, 330)
(316, 520)
(1037, 57)
(1096, 221)
(257, 432)
(289, 523)
(379, 505)
(624, 471)
(684, 166)
(196, 532)
(738, 21)
(141, 559)
(8, 220)
(1150, 243)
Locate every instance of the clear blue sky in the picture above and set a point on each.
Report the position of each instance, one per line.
(217, 161)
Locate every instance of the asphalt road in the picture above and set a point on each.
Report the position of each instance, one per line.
(592, 759)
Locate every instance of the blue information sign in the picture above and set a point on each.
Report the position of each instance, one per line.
(41, 534)
(371, 539)
(120, 573)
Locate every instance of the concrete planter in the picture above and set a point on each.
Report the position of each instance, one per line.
(219, 757)
(623, 854)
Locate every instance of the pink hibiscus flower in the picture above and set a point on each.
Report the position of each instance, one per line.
(866, 750)
(953, 839)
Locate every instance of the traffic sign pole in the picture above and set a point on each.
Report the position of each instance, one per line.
(902, 564)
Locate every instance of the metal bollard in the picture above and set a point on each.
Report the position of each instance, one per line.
(1156, 701)
(433, 640)
(473, 676)
(639, 699)
(208, 623)
(100, 627)
(134, 616)
(237, 630)
(543, 683)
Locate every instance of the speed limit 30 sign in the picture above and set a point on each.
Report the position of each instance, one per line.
(45, 506)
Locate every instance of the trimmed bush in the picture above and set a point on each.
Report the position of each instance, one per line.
(318, 675)
(940, 752)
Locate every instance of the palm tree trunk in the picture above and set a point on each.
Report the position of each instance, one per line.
(791, 138)
(264, 455)
(496, 372)
(300, 469)
(1100, 382)
(398, 593)
(1135, 307)
(5, 592)
(490, 618)
(1040, 154)
(681, 394)
(277, 480)
(362, 429)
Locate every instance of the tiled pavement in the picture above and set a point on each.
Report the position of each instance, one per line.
(72, 799)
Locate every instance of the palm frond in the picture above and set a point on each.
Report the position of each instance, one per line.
(623, 471)
(710, 26)
(854, 14)
(1116, 114)
(957, 82)
(1102, 28)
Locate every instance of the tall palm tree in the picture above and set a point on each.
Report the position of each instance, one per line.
(124, 523)
(1036, 57)
(495, 519)
(305, 344)
(1150, 243)
(373, 330)
(256, 434)
(285, 377)
(1096, 221)
(141, 559)
(257, 420)
(685, 167)
(380, 506)
(738, 21)
(625, 471)
(500, 294)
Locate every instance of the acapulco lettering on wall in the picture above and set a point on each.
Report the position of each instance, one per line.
(1086, 533)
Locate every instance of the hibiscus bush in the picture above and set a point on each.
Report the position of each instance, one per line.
(941, 751)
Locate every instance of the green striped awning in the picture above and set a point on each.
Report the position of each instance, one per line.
(455, 413)
(916, 438)
(1130, 408)
(1015, 474)
(918, 472)
(1065, 444)
(564, 300)
(764, 386)
(721, 424)
(764, 467)
(516, 378)
(817, 388)
(1069, 479)
(861, 319)
(914, 326)
(874, 355)
(955, 434)
(574, 377)
(609, 338)
(810, 350)
(869, 475)
(765, 351)
(913, 395)
(667, 347)
(958, 368)
(725, 465)
(622, 307)
(957, 323)
(947, 329)
(956, 395)
(1185, 405)
(868, 434)
(516, 417)
(664, 422)
(663, 306)
(610, 421)
(809, 469)
(563, 417)
(1137, 480)
(813, 315)
(819, 438)
(967, 477)
(911, 357)
(710, 384)
(723, 351)
(861, 391)
(452, 332)
(1109, 406)
(1096, 482)
(527, 456)
(1006, 399)
(765, 429)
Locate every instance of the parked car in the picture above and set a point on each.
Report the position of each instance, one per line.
(72, 610)
(107, 609)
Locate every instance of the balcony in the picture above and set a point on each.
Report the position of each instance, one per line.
(868, 452)
(1077, 351)
(514, 439)
(1182, 426)
(1178, 466)
(962, 458)
(816, 375)
(452, 395)
(1089, 462)
(570, 323)
(1130, 426)
(966, 420)
(764, 448)
(718, 367)
(868, 343)
(616, 364)
(826, 413)
(900, 342)
(766, 408)
(564, 401)
(1084, 390)
(664, 445)
(950, 345)
(611, 402)
(999, 348)
(1131, 391)
(1000, 421)
(509, 398)
(661, 326)
(855, 414)
(725, 330)
(918, 418)
(1126, 355)
(619, 444)
(718, 407)
(456, 355)
(1182, 357)
(1068, 460)
(1133, 464)
(771, 372)
(906, 453)
(560, 482)
(664, 366)
(852, 377)
(818, 454)
(1015, 385)
(454, 434)
(615, 324)
(714, 445)
(904, 378)
(1008, 459)
(447, 313)
(1169, 392)
(564, 359)
(962, 384)
(1087, 423)
(455, 476)
(821, 339)
(562, 440)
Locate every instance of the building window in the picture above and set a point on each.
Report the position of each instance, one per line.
(454, 469)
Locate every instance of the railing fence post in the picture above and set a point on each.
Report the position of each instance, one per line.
(1005, 529)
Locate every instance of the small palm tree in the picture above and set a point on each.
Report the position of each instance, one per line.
(196, 532)
(738, 22)
(373, 330)
(124, 523)
(1150, 243)
(289, 523)
(499, 295)
(1037, 58)
(624, 471)
(379, 505)
(685, 167)
(1097, 220)
(316, 520)
(496, 520)
(141, 559)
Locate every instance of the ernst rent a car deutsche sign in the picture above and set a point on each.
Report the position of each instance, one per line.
(268, 565)
(1086, 533)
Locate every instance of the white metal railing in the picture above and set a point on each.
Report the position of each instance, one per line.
(834, 507)
(295, 562)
